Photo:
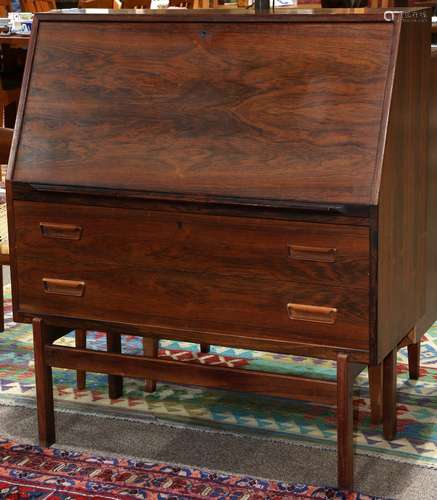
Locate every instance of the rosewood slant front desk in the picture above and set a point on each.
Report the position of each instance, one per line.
(222, 177)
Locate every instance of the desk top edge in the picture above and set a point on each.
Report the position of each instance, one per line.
(238, 15)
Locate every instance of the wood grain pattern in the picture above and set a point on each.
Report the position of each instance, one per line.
(431, 234)
(37, 5)
(150, 350)
(345, 417)
(414, 360)
(300, 388)
(402, 198)
(278, 16)
(375, 389)
(115, 382)
(389, 395)
(226, 185)
(231, 246)
(314, 140)
(80, 338)
(356, 215)
(253, 338)
(195, 301)
(44, 385)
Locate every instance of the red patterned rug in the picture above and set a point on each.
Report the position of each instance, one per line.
(30, 472)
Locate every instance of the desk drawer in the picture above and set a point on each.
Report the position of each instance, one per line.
(281, 310)
(301, 252)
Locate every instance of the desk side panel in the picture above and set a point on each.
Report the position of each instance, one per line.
(431, 258)
(403, 195)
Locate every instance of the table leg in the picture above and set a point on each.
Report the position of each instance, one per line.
(150, 349)
(115, 382)
(345, 465)
(389, 395)
(80, 336)
(414, 360)
(375, 391)
(44, 385)
(204, 348)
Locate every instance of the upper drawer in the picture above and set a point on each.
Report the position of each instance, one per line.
(258, 248)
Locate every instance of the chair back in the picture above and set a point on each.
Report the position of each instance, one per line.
(136, 4)
(37, 5)
(5, 8)
(96, 4)
(183, 4)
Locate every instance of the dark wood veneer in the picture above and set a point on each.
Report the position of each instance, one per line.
(190, 301)
(430, 315)
(403, 193)
(255, 181)
(239, 109)
(239, 247)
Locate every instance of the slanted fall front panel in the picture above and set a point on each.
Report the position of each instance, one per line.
(267, 111)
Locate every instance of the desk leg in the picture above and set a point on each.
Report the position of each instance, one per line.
(150, 349)
(44, 385)
(115, 382)
(389, 395)
(80, 336)
(375, 391)
(414, 360)
(204, 348)
(345, 464)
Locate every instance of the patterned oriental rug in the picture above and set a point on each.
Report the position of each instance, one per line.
(30, 472)
(269, 417)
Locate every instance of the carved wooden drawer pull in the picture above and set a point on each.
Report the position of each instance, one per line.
(312, 253)
(316, 314)
(60, 231)
(64, 287)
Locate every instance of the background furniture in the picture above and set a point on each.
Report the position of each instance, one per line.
(37, 5)
(12, 59)
(245, 215)
(136, 4)
(5, 146)
(186, 4)
(5, 8)
(99, 4)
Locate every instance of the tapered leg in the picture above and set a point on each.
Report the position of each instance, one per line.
(204, 348)
(115, 382)
(345, 465)
(81, 344)
(2, 305)
(389, 395)
(44, 386)
(150, 349)
(375, 390)
(414, 360)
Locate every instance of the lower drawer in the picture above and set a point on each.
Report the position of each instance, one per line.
(318, 314)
